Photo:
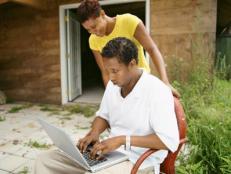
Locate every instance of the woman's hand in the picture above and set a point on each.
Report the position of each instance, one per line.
(106, 146)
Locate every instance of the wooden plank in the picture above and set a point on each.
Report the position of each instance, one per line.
(32, 3)
(3, 1)
(185, 20)
(32, 96)
(162, 5)
(30, 55)
(183, 16)
(181, 50)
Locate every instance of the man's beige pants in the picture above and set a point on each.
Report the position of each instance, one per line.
(56, 162)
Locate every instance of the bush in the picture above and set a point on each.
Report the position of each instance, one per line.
(207, 103)
(222, 68)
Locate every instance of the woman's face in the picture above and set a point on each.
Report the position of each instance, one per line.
(96, 25)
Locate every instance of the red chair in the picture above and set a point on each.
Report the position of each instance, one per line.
(168, 166)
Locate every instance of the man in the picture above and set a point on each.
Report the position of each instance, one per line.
(137, 108)
(104, 28)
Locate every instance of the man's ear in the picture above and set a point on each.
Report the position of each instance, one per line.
(132, 63)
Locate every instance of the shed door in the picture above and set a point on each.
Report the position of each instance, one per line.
(73, 56)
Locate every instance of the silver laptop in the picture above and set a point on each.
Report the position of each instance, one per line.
(63, 141)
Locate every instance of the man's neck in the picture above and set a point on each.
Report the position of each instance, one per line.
(111, 21)
(129, 87)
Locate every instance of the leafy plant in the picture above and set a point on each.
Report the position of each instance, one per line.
(82, 127)
(87, 110)
(25, 170)
(49, 108)
(36, 144)
(223, 70)
(207, 104)
(2, 118)
(16, 109)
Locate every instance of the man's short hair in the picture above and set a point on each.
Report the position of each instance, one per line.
(88, 9)
(121, 48)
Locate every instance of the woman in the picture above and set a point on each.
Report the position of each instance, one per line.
(104, 28)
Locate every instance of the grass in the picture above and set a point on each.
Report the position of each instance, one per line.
(54, 110)
(82, 127)
(36, 144)
(86, 110)
(206, 98)
(66, 118)
(16, 109)
(2, 118)
(25, 170)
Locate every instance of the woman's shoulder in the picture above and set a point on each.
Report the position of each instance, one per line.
(126, 16)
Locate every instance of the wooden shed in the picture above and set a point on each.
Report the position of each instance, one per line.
(44, 52)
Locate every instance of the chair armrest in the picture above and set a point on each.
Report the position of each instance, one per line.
(147, 154)
(141, 159)
(183, 140)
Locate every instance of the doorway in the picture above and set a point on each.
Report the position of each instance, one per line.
(86, 84)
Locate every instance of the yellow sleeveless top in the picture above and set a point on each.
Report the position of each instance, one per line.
(125, 26)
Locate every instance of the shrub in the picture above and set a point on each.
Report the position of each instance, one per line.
(207, 104)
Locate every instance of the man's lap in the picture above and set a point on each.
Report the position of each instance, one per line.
(58, 158)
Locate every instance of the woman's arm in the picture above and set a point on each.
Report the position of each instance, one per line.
(149, 45)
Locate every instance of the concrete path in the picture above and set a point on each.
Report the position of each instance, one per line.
(22, 138)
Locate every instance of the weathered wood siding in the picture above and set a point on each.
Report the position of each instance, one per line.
(30, 45)
(30, 52)
(184, 30)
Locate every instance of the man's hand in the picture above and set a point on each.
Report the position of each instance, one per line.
(106, 146)
(98, 126)
(90, 138)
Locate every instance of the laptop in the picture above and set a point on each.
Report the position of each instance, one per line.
(63, 141)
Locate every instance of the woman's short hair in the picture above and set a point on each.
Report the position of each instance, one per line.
(88, 9)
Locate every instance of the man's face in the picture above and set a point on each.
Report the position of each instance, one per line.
(119, 73)
(96, 25)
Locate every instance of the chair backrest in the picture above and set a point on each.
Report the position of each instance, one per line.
(168, 166)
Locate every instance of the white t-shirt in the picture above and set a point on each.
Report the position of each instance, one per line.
(147, 109)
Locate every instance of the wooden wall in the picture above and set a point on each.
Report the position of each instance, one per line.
(30, 48)
(185, 31)
(30, 52)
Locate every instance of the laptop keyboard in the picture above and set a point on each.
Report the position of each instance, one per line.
(90, 161)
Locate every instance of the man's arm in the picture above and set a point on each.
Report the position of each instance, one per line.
(149, 141)
(99, 61)
(149, 45)
(99, 125)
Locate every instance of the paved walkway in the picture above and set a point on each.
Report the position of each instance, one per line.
(22, 139)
